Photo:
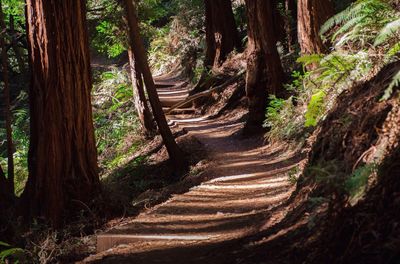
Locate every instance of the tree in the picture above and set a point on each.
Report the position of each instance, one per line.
(7, 108)
(290, 24)
(142, 108)
(139, 52)
(311, 15)
(14, 44)
(140, 100)
(221, 32)
(264, 68)
(63, 172)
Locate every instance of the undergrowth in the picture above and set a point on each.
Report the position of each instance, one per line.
(116, 122)
(365, 37)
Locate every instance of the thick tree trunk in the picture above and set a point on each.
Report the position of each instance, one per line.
(222, 36)
(175, 153)
(311, 15)
(7, 108)
(142, 108)
(264, 68)
(63, 172)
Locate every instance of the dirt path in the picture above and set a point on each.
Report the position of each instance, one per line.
(247, 180)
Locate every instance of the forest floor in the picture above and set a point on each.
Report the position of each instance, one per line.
(244, 185)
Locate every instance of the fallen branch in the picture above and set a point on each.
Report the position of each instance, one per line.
(208, 92)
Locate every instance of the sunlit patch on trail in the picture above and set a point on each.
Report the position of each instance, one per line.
(244, 186)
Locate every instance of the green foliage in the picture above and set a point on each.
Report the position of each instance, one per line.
(16, 254)
(360, 22)
(15, 8)
(387, 32)
(293, 175)
(273, 109)
(20, 134)
(170, 29)
(364, 24)
(116, 122)
(284, 119)
(394, 83)
(307, 60)
(333, 74)
(356, 184)
(107, 40)
(394, 50)
(330, 176)
(315, 109)
(279, 120)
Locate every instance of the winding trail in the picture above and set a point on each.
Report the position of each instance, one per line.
(246, 182)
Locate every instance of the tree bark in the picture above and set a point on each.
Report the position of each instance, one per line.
(142, 108)
(139, 96)
(14, 44)
(290, 24)
(63, 172)
(311, 15)
(7, 108)
(222, 36)
(264, 68)
(137, 47)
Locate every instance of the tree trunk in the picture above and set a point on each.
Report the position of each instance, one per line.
(63, 172)
(142, 108)
(222, 36)
(311, 15)
(7, 108)
(14, 44)
(175, 153)
(264, 68)
(290, 24)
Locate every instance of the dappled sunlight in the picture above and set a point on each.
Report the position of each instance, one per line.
(221, 207)
(244, 186)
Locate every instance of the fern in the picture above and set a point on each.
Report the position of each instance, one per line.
(310, 59)
(315, 109)
(360, 22)
(387, 32)
(10, 252)
(357, 183)
(393, 51)
(394, 83)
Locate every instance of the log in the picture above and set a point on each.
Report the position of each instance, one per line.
(208, 92)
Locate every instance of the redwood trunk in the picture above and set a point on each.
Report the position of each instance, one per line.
(221, 32)
(7, 108)
(264, 69)
(63, 172)
(142, 108)
(175, 153)
(311, 15)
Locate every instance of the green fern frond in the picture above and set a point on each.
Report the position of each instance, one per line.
(360, 21)
(393, 51)
(314, 109)
(387, 32)
(358, 9)
(348, 25)
(393, 84)
(310, 59)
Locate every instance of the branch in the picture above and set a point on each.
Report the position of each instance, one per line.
(208, 92)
